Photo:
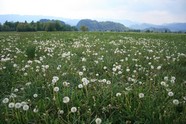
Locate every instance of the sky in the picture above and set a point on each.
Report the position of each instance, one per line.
(143, 11)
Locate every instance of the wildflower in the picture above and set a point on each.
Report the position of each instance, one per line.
(141, 95)
(114, 69)
(5, 100)
(166, 78)
(170, 93)
(25, 107)
(163, 83)
(175, 102)
(119, 72)
(18, 105)
(104, 80)
(104, 67)
(80, 73)
(83, 59)
(60, 112)
(12, 95)
(159, 67)
(23, 103)
(35, 110)
(127, 70)
(11, 105)
(55, 79)
(73, 109)
(65, 84)
(98, 120)
(25, 74)
(80, 86)
(173, 78)
(85, 81)
(108, 82)
(16, 90)
(35, 95)
(14, 65)
(56, 89)
(46, 66)
(118, 94)
(66, 99)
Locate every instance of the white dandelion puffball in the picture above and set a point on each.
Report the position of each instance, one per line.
(35, 110)
(73, 109)
(35, 95)
(56, 89)
(60, 112)
(175, 102)
(80, 86)
(25, 107)
(118, 94)
(5, 100)
(66, 99)
(98, 120)
(85, 81)
(11, 105)
(170, 93)
(141, 95)
(18, 105)
(80, 73)
(159, 67)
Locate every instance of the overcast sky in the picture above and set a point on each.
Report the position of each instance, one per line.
(148, 11)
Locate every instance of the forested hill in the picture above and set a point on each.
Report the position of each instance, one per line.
(94, 25)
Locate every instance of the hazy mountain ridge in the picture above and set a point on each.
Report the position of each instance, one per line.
(171, 26)
(94, 25)
(175, 27)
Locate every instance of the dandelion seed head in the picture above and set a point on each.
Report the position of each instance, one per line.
(61, 112)
(35, 95)
(25, 107)
(98, 120)
(56, 89)
(170, 93)
(175, 102)
(18, 105)
(5, 100)
(141, 95)
(66, 99)
(80, 86)
(73, 109)
(118, 94)
(11, 105)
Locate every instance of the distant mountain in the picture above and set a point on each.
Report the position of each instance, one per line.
(29, 18)
(48, 20)
(94, 25)
(175, 27)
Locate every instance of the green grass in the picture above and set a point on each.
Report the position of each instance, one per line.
(115, 68)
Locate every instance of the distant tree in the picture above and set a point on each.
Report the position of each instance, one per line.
(84, 28)
(1, 27)
(20, 27)
(58, 25)
(73, 28)
(50, 26)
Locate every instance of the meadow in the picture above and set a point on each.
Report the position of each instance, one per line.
(92, 78)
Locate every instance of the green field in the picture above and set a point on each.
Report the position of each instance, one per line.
(88, 78)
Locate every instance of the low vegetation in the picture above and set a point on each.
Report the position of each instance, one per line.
(92, 78)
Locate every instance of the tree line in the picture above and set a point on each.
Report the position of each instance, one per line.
(53, 25)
